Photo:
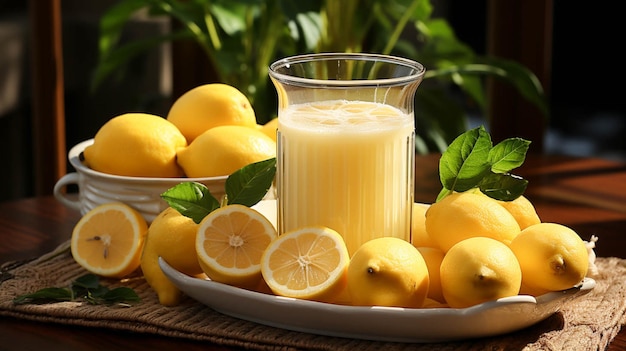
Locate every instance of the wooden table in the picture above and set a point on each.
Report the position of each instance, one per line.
(588, 195)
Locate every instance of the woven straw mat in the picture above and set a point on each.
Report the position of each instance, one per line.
(586, 323)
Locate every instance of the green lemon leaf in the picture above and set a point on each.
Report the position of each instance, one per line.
(119, 295)
(465, 162)
(503, 186)
(87, 281)
(191, 199)
(471, 161)
(96, 293)
(249, 185)
(443, 193)
(45, 295)
(86, 288)
(508, 154)
(246, 186)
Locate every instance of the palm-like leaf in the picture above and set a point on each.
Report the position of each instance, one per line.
(242, 37)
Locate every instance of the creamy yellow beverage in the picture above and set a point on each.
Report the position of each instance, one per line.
(347, 165)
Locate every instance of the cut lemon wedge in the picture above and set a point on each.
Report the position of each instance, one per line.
(230, 243)
(108, 240)
(309, 263)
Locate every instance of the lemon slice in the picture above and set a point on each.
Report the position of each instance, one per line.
(108, 240)
(309, 263)
(230, 243)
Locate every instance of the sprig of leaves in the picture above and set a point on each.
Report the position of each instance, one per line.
(86, 288)
(246, 186)
(471, 161)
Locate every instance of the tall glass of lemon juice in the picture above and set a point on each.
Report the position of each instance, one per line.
(346, 153)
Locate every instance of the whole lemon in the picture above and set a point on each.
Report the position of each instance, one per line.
(208, 106)
(522, 210)
(388, 271)
(477, 270)
(464, 215)
(419, 235)
(136, 145)
(269, 128)
(552, 256)
(172, 236)
(222, 150)
(433, 258)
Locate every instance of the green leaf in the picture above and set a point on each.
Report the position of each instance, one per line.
(520, 77)
(311, 27)
(95, 293)
(472, 162)
(230, 16)
(120, 294)
(191, 199)
(248, 185)
(508, 154)
(114, 20)
(112, 24)
(45, 295)
(116, 61)
(83, 286)
(87, 281)
(465, 162)
(242, 37)
(443, 193)
(503, 186)
(86, 288)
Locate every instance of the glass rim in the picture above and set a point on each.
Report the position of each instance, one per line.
(419, 70)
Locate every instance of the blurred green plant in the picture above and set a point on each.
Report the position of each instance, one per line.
(241, 38)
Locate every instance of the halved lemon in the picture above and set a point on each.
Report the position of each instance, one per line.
(108, 240)
(308, 263)
(230, 243)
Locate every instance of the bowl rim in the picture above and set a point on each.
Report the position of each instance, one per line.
(76, 151)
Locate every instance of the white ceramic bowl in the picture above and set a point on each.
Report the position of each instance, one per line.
(141, 193)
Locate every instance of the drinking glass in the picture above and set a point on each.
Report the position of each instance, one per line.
(346, 152)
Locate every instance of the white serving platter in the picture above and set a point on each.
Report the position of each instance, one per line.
(376, 323)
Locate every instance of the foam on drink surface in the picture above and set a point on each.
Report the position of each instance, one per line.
(341, 116)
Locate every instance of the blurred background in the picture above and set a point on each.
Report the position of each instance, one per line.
(588, 117)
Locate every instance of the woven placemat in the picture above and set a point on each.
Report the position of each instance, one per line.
(586, 323)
